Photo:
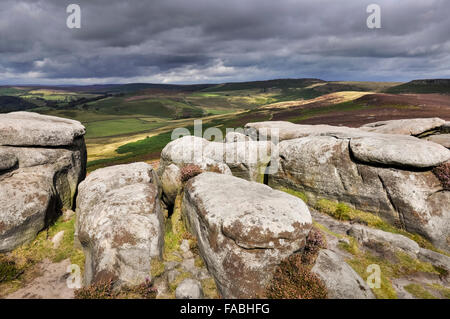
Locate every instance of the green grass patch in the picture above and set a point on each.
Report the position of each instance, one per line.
(156, 267)
(445, 292)
(209, 288)
(119, 127)
(419, 292)
(324, 229)
(404, 265)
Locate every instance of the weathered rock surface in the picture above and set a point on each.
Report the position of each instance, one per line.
(32, 129)
(26, 201)
(404, 127)
(398, 151)
(7, 160)
(341, 280)
(441, 139)
(325, 167)
(244, 229)
(189, 289)
(233, 137)
(171, 182)
(246, 159)
(36, 182)
(434, 258)
(280, 130)
(120, 223)
(367, 235)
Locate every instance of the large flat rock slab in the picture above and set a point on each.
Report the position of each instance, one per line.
(244, 229)
(404, 127)
(32, 129)
(36, 183)
(398, 151)
(281, 130)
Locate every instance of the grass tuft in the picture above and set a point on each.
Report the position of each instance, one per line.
(418, 291)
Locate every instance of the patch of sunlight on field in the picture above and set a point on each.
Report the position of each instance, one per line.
(312, 86)
(332, 98)
(51, 92)
(118, 127)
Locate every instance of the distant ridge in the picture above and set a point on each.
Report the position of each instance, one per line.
(277, 83)
(423, 86)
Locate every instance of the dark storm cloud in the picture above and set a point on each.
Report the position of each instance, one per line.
(213, 41)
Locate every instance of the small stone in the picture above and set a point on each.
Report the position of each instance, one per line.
(184, 246)
(189, 265)
(189, 289)
(172, 275)
(56, 240)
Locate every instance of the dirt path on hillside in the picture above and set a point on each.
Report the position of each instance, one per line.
(51, 284)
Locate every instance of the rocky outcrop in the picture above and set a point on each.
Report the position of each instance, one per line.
(341, 280)
(413, 127)
(431, 129)
(42, 160)
(370, 236)
(244, 229)
(245, 159)
(31, 129)
(120, 223)
(400, 151)
(390, 175)
(281, 130)
(434, 258)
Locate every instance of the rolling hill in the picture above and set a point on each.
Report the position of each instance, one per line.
(441, 86)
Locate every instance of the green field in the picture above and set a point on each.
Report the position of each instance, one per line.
(119, 127)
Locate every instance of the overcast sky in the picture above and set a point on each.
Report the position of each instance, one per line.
(212, 41)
